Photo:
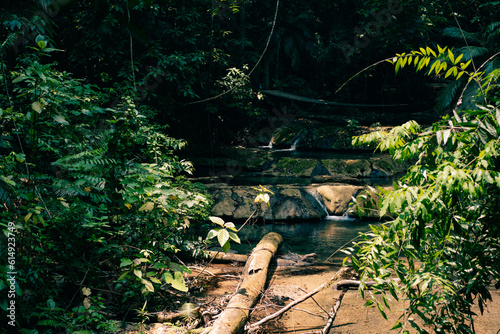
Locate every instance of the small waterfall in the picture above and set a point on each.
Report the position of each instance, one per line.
(319, 199)
(293, 147)
(270, 145)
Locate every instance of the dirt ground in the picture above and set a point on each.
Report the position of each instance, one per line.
(288, 283)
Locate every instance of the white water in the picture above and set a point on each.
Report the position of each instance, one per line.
(270, 145)
(319, 199)
(293, 147)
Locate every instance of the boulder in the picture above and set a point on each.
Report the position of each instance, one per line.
(224, 205)
(337, 197)
(289, 202)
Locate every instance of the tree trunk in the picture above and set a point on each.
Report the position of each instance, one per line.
(236, 313)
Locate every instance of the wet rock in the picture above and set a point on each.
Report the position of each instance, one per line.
(289, 202)
(224, 203)
(292, 167)
(337, 197)
(355, 168)
(320, 170)
(288, 209)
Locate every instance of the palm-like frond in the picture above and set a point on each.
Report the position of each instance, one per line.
(471, 52)
(494, 28)
(449, 95)
(455, 32)
(470, 96)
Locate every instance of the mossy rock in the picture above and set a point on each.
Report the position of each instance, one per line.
(356, 168)
(386, 166)
(296, 167)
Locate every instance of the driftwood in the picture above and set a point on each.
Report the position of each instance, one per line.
(333, 313)
(297, 301)
(349, 283)
(234, 317)
(221, 256)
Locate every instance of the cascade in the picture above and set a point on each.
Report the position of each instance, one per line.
(270, 145)
(293, 147)
(295, 143)
(319, 199)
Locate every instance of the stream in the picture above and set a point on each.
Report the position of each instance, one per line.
(322, 237)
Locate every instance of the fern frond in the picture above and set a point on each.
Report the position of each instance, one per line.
(457, 33)
(494, 28)
(473, 51)
(469, 97)
(54, 323)
(448, 95)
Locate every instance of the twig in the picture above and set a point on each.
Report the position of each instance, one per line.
(201, 269)
(297, 301)
(333, 313)
(350, 283)
(314, 300)
(309, 312)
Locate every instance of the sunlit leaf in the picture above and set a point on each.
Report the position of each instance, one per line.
(217, 220)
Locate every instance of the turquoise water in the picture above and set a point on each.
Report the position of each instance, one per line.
(322, 237)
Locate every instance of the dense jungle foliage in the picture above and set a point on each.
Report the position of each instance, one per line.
(97, 98)
(444, 243)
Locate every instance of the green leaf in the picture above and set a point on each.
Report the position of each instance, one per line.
(138, 273)
(37, 106)
(226, 247)
(60, 119)
(381, 309)
(125, 262)
(234, 237)
(230, 226)
(42, 44)
(217, 220)
(148, 206)
(212, 233)
(386, 303)
(451, 56)
(123, 275)
(223, 236)
(177, 281)
(148, 285)
(155, 280)
(398, 325)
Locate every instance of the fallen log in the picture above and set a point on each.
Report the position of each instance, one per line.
(234, 317)
(299, 300)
